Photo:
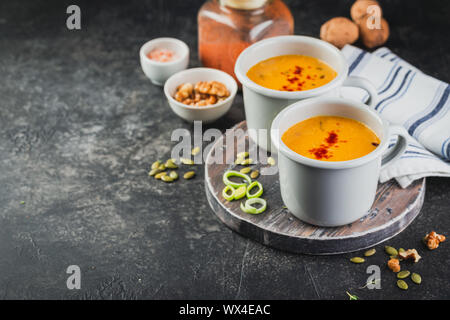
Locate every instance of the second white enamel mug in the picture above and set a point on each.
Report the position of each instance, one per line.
(326, 193)
(262, 104)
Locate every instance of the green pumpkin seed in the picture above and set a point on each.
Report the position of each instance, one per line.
(162, 167)
(187, 161)
(401, 250)
(402, 285)
(391, 251)
(370, 252)
(166, 178)
(416, 278)
(195, 151)
(245, 170)
(242, 155)
(154, 171)
(156, 164)
(403, 274)
(160, 175)
(357, 260)
(173, 175)
(171, 164)
(246, 162)
(271, 161)
(254, 174)
(188, 175)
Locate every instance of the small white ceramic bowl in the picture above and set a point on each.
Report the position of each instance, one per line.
(159, 72)
(208, 113)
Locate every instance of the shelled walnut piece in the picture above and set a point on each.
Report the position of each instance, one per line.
(394, 265)
(201, 94)
(432, 240)
(410, 254)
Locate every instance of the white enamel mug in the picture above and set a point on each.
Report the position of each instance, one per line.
(262, 104)
(326, 193)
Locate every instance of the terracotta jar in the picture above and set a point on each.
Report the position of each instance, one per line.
(227, 27)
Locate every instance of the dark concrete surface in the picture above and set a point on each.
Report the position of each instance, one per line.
(79, 126)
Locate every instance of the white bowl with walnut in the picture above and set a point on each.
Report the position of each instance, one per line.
(200, 94)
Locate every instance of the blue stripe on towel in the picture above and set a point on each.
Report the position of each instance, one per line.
(387, 78)
(436, 119)
(419, 115)
(357, 61)
(446, 151)
(396, 92)
(438, 107)
(392, 81)
(402, 94)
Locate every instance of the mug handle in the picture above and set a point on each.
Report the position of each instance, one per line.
(365, 84)
(399, 148)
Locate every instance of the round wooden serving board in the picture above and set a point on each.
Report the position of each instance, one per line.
(393, 210)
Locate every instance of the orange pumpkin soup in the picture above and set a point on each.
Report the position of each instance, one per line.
(330, 138)
(291, 73)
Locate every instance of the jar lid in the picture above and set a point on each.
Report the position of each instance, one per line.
(243, 4)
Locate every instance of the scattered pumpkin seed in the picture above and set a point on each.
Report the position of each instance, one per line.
(188, 175)
(171, 164)
(173, 175)
(391, 251)
(154, 171)
(162, 167)
(242, 155)
(254, 174)
(402, 285)
(357, 260)
(416, 278)
(156, 164)
(166, 178)
(160, 175)
(245, 170)
(195, 151)
(271, 161)
(246, 162)
(403, 274)
(401, 250)
(370, 252)
(187, 161)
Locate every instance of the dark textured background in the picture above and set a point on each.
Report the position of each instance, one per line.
(79, 126)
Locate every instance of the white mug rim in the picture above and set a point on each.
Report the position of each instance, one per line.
(336, 82)
(283, 148)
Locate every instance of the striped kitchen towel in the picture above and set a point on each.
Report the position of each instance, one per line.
(410, 98)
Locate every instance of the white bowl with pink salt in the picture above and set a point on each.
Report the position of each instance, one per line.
(163, 57)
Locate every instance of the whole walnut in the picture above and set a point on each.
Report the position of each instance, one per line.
(373, 37)
(359, 9)
(339, 31)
